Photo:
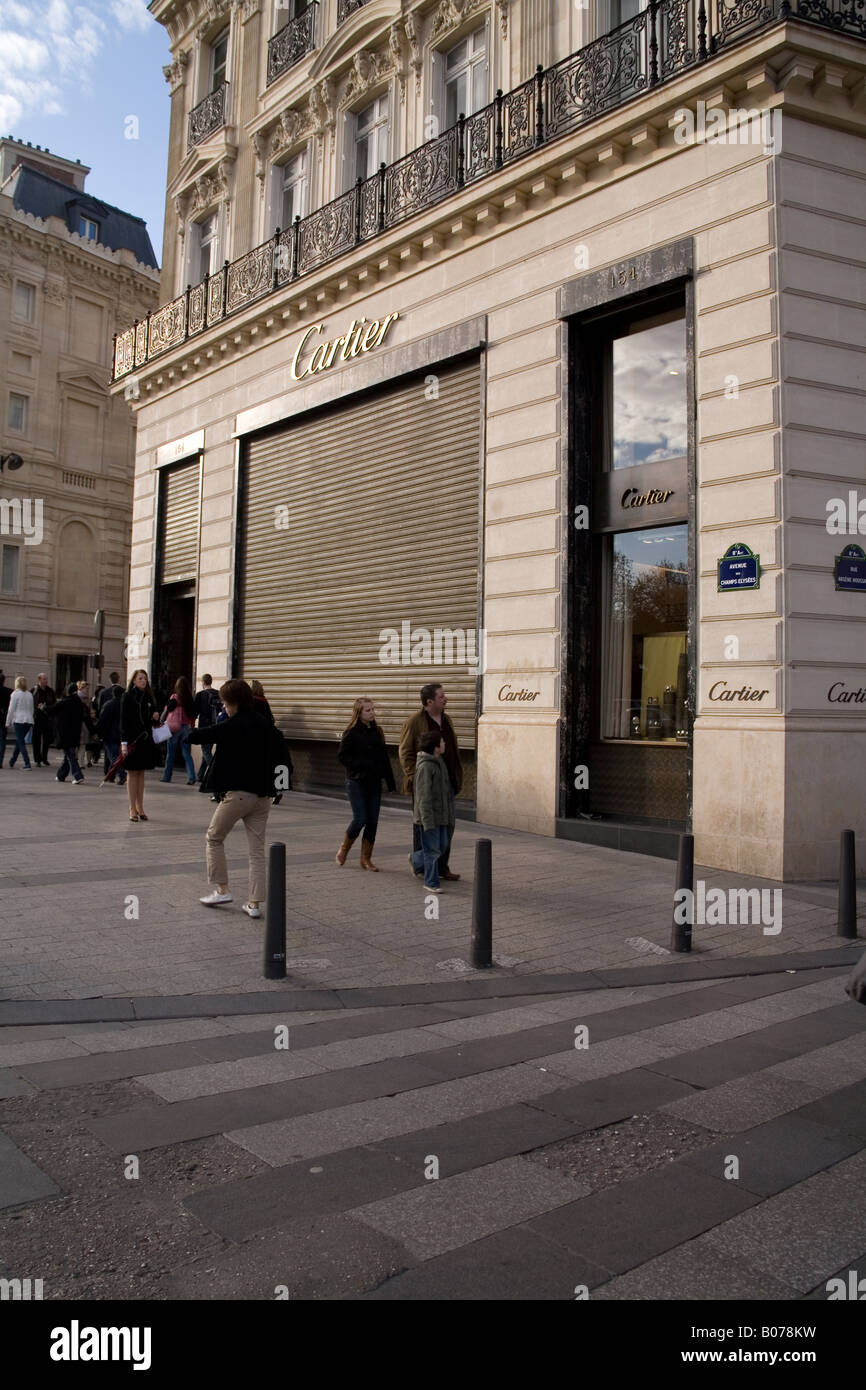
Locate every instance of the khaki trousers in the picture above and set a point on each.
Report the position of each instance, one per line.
(253, 811)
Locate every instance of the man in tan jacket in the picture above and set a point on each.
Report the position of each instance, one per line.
(432, 716)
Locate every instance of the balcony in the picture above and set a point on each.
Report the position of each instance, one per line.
(659, 44)
(209, 115)
(345, 8)
(293, 42)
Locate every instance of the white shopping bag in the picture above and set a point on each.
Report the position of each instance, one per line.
(161, 734)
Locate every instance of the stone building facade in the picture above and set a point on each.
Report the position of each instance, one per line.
(520, 345)
(72, 270)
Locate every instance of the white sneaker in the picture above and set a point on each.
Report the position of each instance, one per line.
(251, 911)
(216, 898)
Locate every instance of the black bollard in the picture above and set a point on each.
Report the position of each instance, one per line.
(681, 934)
(847, 887)
(482, 906)
(275, 918)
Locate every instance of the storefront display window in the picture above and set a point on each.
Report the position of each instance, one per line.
(644, 642)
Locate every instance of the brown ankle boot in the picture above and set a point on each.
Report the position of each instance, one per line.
(348, 841)
(366, 851)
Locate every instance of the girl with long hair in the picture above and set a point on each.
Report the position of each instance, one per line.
(180, 718)
(363, 754)
(138, 714)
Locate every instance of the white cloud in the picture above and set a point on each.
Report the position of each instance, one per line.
(21, 53)
(75, 35)
(132, 14)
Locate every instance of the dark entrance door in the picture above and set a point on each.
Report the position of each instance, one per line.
(175, 636)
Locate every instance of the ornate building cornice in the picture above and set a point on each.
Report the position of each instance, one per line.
(453, 12)
(175, 72)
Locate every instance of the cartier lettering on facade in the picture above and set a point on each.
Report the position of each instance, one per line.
(633, 497)
(838, 695)
(720, 691)
(506, 693)
(359, 338)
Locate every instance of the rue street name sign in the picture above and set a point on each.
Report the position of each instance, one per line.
(850, 569)
(739, 568)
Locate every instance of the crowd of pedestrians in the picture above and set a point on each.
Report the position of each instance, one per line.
(242, 750)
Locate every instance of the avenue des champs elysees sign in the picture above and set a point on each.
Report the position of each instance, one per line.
(315, 354)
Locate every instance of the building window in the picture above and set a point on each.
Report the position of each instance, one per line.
(17, 417)
(612, 13)
(9, 569)
(371, 137)
(286, 10)
(290, 191)
(205, 247)
(648, 392)
(25, 301)
(88, 229)
(644, 644)
(219, 53)
(8, 643)
(466, 76)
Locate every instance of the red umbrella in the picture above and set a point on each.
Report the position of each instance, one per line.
(121, 759)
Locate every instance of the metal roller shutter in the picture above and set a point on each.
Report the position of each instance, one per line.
(180, 517)
(383, 528)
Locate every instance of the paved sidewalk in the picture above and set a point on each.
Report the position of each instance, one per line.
(387, 1123)
(519, 1147)
(93, 906)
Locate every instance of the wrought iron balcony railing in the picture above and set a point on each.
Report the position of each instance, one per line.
(346, 8)
(292, 42)
(209, 115)
(660, 42)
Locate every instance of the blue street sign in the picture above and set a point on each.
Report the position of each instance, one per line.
(739, 568)
(850, 569)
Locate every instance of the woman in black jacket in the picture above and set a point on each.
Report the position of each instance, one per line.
(138, 714)
(246, 754)
(363, 753)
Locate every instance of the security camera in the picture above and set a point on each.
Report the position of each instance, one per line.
(11, 461)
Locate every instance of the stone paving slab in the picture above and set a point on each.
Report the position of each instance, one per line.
(695, 1270)
(804, 1234)
(12, 1085)
(152, 1127)
(387, 1117)
(477, 1140)
(337, 1183)
(20, 1178)
(444, 1215)
(843, 1109)
(511, 1265)
(720, 1062)
(621, 1227)
(325, 1257)
(776, 1155)
(594, 1104)
(743, 1103)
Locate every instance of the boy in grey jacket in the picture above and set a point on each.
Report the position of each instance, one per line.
(433, 805)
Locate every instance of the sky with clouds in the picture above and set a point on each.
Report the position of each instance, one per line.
(72, 74)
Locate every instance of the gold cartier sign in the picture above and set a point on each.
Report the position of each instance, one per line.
(633, 497)
(359, 338)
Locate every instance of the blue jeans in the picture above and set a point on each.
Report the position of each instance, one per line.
(21, 732)
(433, 845)
(70, 764)
(182, 738)
(206, 759)
(365, 798)
(112, 751)
(449, 836)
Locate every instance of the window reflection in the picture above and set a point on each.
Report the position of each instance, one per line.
(649, 393)
(645, 666)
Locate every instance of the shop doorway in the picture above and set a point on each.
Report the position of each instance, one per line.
(174, 650)
(632, 641)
